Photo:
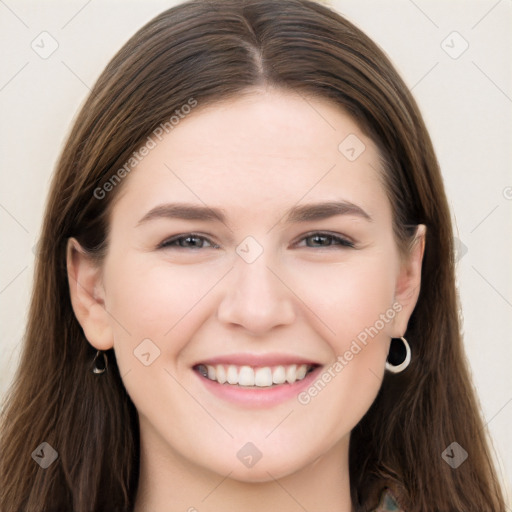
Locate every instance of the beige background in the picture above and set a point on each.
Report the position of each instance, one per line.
(466, 101)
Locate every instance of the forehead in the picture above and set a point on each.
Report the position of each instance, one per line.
(270, 124)
(266, 149)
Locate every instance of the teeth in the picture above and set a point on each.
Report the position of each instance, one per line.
(232, 375)
(301, 371)
(220, 374)
(247, 376)
(263, 377)
(291, 373)
(279, 375)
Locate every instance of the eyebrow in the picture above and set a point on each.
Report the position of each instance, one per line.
(296, 214)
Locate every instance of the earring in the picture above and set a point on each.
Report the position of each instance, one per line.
(102, 366)
(399, 356)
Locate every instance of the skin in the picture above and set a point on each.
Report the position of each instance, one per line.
(255, 157)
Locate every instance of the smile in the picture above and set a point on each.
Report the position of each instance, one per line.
(255, 377)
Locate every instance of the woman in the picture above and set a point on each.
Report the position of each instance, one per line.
(244, 295)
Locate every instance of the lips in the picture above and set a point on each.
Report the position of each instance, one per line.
(255, 376)
(256, 380)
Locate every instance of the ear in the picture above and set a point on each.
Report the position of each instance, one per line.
(408, 283)
(88, 296)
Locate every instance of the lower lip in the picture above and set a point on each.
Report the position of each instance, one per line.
(258, 397)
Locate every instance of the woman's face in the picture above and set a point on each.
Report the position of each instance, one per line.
(254, 243)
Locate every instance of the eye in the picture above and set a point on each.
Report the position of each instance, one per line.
(320, 239)
(187, 241)
(196, 241)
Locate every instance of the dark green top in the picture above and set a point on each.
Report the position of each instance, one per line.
(388, 503)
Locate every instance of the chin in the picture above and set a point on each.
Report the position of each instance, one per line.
(263, 467)
(263, 472)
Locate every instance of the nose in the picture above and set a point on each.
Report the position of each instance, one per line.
(256, 298)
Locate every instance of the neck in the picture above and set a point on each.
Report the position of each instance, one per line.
(170, 484)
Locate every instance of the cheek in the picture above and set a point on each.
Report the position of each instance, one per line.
(156, 309)
(157, 302)
(347, 297)
(354, 306)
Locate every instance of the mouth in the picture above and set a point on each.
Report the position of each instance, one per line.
(255, 377)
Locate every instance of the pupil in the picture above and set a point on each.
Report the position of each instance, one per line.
(189, 239)
(321, 239)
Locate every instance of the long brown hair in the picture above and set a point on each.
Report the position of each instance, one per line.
(208, 51)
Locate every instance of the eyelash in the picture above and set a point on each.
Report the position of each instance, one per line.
(342, 242)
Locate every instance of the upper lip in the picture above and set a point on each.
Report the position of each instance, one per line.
(257, 360)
